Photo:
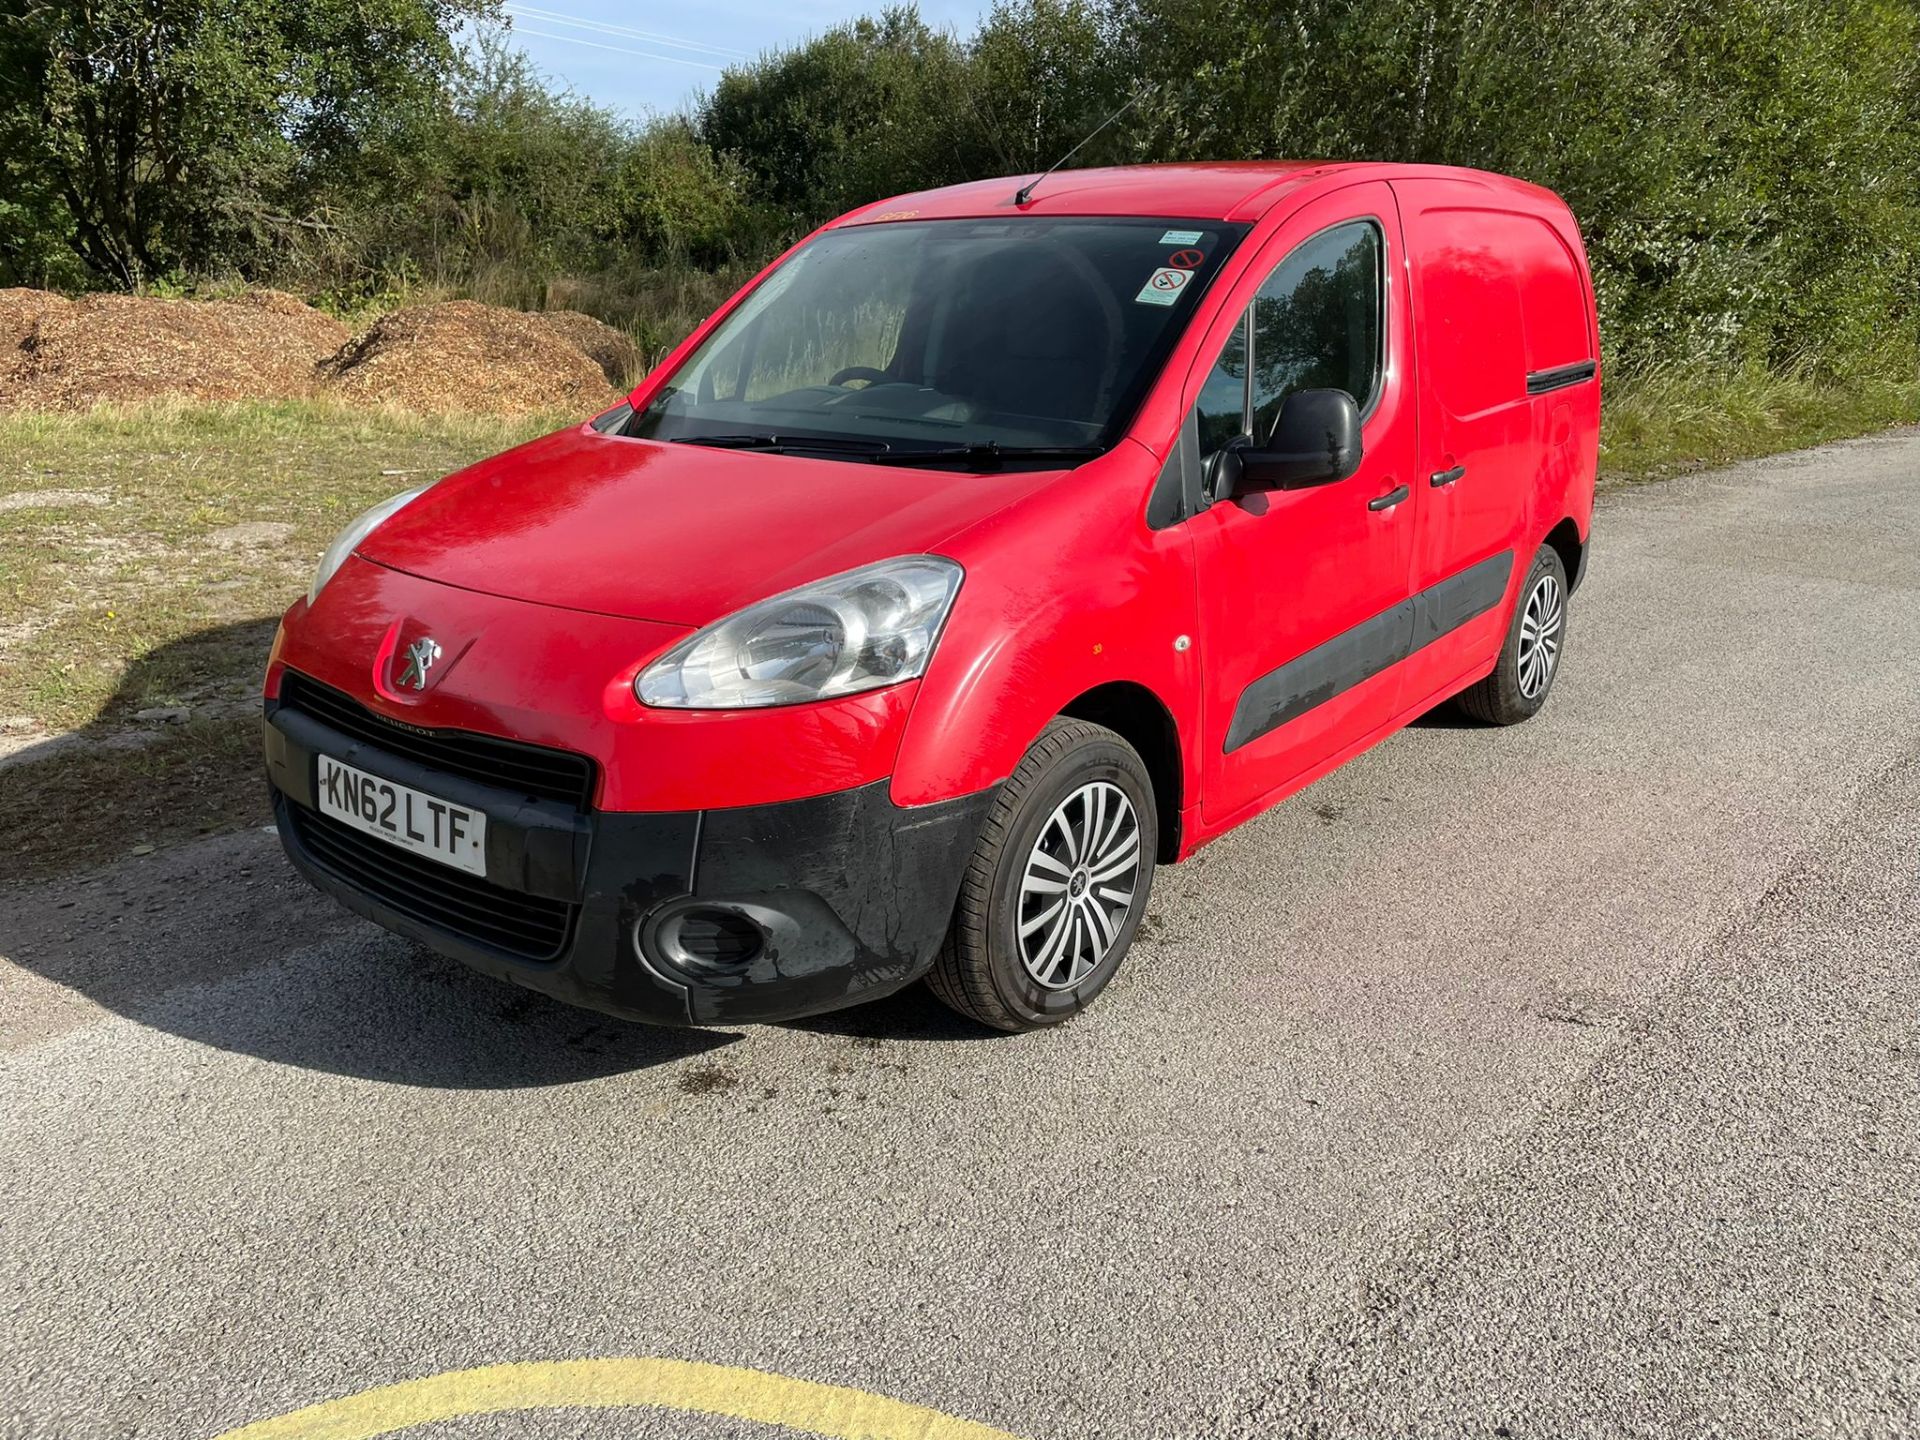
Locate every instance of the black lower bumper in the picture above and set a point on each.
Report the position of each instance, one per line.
(686, 918)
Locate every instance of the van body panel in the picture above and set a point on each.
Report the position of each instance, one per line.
(1379, 616)
(1287, 576)
(1021, 654)
(1499, 297)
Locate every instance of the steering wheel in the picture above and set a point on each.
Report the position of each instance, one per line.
(860, 372)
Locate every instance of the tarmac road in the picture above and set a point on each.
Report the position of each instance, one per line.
(1549, 1082)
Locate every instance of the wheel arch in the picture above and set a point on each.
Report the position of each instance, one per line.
(1568, 544)
(1142, 719)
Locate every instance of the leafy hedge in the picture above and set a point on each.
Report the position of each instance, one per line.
(1747, 172)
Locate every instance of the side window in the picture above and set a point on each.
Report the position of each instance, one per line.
(1316, 324)
(1222, 407)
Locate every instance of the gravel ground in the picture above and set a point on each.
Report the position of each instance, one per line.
(1550, 1082)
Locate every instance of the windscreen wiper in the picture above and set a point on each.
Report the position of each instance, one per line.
(991, 454)
(832, 444)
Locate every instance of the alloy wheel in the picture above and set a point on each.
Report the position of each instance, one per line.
(1539, 648)
(1078, 885)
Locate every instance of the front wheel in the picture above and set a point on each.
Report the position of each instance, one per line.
(1056, 885)
(1530, 655)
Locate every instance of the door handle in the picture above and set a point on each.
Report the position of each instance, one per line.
(1446, 477)
(1387, 501)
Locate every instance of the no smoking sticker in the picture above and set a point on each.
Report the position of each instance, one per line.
(1163, 287)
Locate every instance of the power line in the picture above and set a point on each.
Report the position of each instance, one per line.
(617, 49)
(604, 27)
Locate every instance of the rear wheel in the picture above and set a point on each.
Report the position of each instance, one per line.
(1056, 885)
(1530, 655)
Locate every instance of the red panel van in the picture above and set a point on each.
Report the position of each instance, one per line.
(989, 549)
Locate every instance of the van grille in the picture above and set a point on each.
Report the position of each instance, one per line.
(529, 926)
(531, 770)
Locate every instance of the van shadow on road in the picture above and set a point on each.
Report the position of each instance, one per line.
(219, 942)
(216, 939)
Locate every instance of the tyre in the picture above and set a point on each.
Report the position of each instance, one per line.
(1056, 885)
(1530, 655)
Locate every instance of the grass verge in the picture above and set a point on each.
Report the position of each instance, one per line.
(145, 555)
(1665, 421)
(141, 550)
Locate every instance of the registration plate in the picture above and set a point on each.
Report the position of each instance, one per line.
(403, 816)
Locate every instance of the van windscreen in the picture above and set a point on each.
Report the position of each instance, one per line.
(962, 336)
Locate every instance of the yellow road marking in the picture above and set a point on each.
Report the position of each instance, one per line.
(833, 1412)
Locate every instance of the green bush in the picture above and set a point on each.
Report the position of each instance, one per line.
(844, 118)
(682, 201)
(151, 136)
(1746, 172)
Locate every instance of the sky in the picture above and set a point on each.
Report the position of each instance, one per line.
(644, 57)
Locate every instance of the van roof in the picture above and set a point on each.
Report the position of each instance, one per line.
(1231, 190)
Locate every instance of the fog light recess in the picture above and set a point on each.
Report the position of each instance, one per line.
(704, 940)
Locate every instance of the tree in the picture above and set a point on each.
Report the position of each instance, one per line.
(859, 113)
(1041, 76)
(153, 135)
(1746, 172)
(681, 201)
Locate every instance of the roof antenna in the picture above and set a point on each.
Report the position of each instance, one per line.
(1025, 192)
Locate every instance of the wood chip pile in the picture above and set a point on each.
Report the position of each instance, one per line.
(61, 354)
(612, 350)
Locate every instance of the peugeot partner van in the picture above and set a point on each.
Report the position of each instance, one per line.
(991, 548)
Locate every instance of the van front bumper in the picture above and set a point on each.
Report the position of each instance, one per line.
(714, 917)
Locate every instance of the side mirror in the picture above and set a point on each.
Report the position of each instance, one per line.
(1315, 441)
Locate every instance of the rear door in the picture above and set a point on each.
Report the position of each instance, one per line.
(1302, 593)
(1500, 318)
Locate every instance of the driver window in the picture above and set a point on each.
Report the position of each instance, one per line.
(1316, 324)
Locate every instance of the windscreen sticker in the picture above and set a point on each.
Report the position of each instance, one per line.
(1182, 237)
(1163, 287)
(1186, 259)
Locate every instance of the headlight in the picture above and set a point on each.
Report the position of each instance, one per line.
(858, 631)
(361, 526)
